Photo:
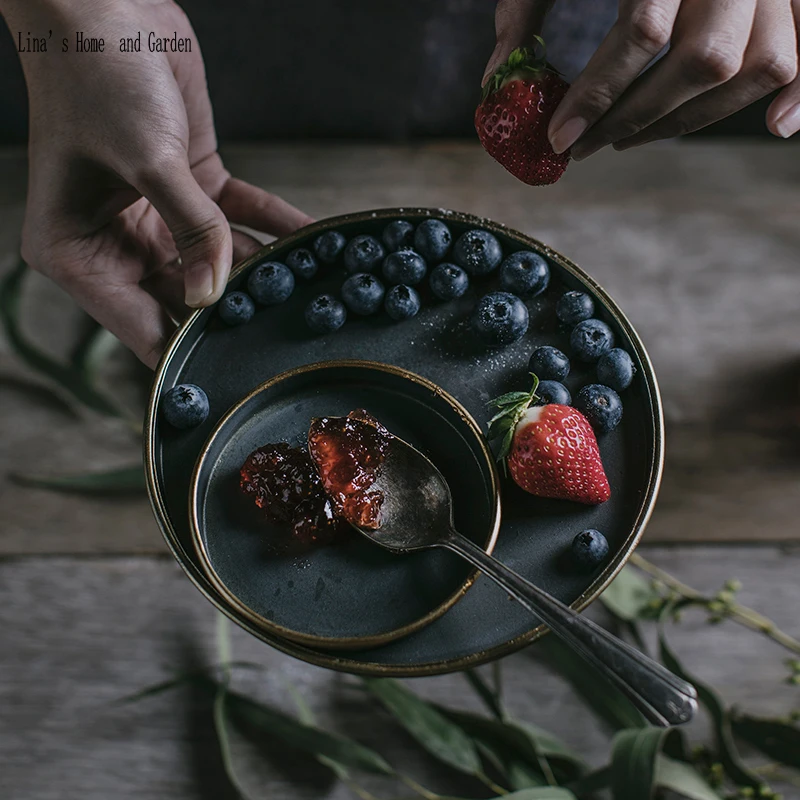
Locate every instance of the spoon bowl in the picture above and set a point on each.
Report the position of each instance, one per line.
(417, 503)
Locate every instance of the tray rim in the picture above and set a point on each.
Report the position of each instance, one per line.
(353, 666)
(346, 642)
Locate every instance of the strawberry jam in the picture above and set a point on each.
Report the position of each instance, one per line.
(349, 452)
(285, 485)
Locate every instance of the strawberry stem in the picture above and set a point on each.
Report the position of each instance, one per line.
(538, 40)
(511, 407)
(521, 60)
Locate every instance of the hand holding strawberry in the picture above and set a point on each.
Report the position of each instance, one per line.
(550, 450)
(512, 119)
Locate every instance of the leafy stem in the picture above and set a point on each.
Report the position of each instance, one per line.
(745, 616)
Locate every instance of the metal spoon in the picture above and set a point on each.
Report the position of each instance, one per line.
(417, 514)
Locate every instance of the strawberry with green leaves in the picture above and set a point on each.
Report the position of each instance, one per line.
(550, 450)
(513, 116)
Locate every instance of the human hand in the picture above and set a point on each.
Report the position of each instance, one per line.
(128, 200)
(723, 55)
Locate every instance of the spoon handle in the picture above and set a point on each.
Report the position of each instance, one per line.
(663, 698)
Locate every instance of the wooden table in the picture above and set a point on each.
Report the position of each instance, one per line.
(699, 243)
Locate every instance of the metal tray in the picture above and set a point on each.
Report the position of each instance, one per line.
(230, 362)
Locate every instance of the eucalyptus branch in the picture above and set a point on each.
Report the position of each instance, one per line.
(490, 784)
(358, 791)
(743, 615)
(778, 771)
(419, 789)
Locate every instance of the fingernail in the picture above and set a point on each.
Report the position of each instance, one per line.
(789, 123)
(568, 134)
(199, 284)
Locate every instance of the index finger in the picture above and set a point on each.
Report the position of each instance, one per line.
(641, 32)
(515, 22)
(250, 205)
(133, 315)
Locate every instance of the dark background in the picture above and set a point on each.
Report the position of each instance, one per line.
(381, 70)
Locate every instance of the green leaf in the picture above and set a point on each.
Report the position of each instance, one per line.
(159, 688)
(520, 742)
(438, 735)
(634, 755)
(605, 700)
(500, 427)
(629, 595)
(115, 481)
(549, 745)
(727, 753)
(776, 739)
(200, 676)
(541, 793)
(306, 716)
(505, 447)
(346, 752)
(69, 379)
(93, 351)
(482, 689)
(220, 716)
(509, 399)
(670, 773)
(522, 775)
(593, 782)
(501, 414)
(349, 753)
(677, 776)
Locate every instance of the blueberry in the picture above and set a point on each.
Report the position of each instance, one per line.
(270, 283)
(616, 369)
(574, 307)
(363, 293)
(500, 318)
(328, 246)
(302, 263)
(478, 252)
(402, 302)
(449, 281)
(404, 266)
(524, 273)
(398, 235)
(591, 339)
(432, 239)
(589, 549)
(325, 314)
(553, 392)
(185, 406)
(549, 364)
(363, 253)
(600, 405)
(236, 308)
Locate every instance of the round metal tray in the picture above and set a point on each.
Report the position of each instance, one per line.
(230, 362)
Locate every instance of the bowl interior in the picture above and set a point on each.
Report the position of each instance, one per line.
(352, 593)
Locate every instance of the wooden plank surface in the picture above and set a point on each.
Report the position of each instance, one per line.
(698, 243)
(76, 634)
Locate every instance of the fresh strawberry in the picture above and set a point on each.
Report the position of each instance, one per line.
(550, 450)
(518, 103)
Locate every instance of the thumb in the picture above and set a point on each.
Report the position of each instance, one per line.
(516, 22)
(783, 114)
(200, 230)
